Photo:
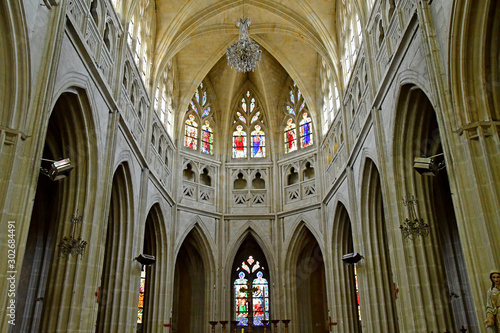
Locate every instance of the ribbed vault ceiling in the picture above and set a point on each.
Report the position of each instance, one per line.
(293, 34)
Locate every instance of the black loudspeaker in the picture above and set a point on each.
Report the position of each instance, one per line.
(146, 259)
(352, 258)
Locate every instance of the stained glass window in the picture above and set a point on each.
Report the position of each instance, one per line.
(249, 138)
(258, 142)
(306, 138)
(296, 106)
(207, 138)
(191, 133)
(239, 143)
(251, 288)
(357, 291)
(141, 295)
(290, 136)
(200, 104)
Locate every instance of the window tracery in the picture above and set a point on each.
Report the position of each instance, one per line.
(249, 131)
(199, 111)
(251, 293)
(296, 109)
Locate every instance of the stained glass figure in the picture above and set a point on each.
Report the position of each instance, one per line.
(191, 133)
(207, 138)
(239, 143)
(258, 142)
(241, 299)
(305, 131)
(259, 298)
(290, 136)
(141, 295)
(206, 112)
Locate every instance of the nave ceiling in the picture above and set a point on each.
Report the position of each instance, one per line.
(294, 35)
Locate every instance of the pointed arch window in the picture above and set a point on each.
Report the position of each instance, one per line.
(251, 294)
(296, 108)
(199, 110)
(249, 123)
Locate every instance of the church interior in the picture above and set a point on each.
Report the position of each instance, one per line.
(304, 166)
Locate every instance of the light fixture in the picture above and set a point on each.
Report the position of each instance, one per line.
(428, 166)
(72, 245)
(413, 226)
(352, 258)
(145, 259)
(243, 55)
(57, 169)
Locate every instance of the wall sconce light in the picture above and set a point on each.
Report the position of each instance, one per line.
(429, 166)
(352, 258)
(145, 259)
(413, 226)
(72, 245)
(57, 169)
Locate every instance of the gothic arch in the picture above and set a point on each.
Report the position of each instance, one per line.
(306, 289)
(156, 244)
(117, 269)
(376, 239)
(417, 125)
(249, 242)
(69, 134)
(250, 229)
(344, 307)
(14, 66)
(474, 62)
(193, 304)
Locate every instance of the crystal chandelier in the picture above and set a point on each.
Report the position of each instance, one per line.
(72, 245)
(413, 226)
(243, 55)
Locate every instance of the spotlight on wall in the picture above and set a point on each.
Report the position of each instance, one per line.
(57, 169)
(145, 259)
(352, 258)
(429, 166)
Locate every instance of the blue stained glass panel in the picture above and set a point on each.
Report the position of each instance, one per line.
(206, 112)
